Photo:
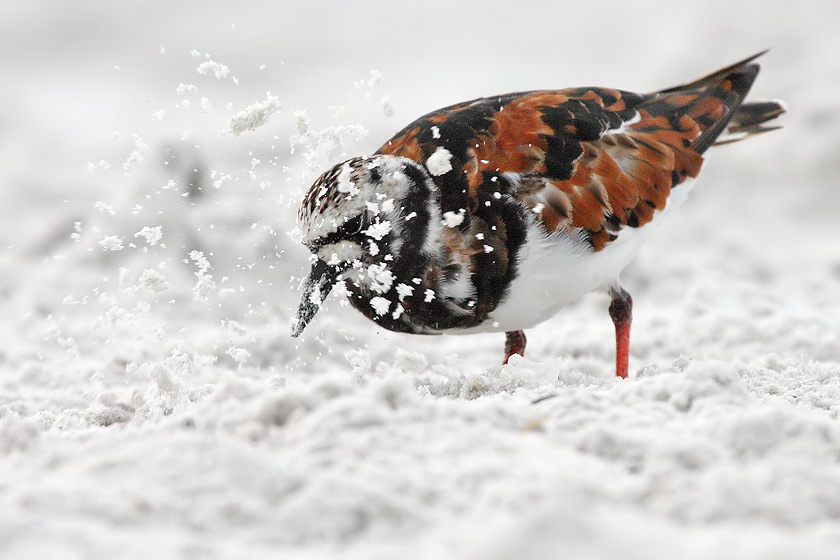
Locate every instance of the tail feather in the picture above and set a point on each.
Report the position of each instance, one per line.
(750, 119)
(739, 80)
(715, 76)
(716, 104)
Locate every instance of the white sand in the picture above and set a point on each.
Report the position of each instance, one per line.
(254, 116)
(153, 405)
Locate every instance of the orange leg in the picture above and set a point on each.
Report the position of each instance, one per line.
(514, 344)
(621, 313)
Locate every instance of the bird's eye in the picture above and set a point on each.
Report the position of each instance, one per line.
(345, 232)
(351, 227)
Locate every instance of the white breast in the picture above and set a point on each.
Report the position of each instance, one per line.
(558, 269)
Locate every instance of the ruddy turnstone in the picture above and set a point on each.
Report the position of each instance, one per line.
(493, 214)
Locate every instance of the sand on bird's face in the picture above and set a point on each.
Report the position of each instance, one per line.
(153, 404)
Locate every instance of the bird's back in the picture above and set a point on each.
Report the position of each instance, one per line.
(595, 160)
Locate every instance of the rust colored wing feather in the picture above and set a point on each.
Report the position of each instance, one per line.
(595, 159)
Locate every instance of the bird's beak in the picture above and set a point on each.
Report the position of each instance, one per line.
(322, 277)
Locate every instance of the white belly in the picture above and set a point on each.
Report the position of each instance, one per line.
(555, 270)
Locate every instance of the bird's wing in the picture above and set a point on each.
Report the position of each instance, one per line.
(596, 159)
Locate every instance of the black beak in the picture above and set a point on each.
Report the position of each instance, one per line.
(322, 277)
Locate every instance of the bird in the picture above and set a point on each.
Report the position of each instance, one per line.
(492, 215)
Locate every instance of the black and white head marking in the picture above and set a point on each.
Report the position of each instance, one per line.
(363, 219)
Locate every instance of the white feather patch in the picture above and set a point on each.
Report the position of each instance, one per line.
(623, 128)
(558, 269)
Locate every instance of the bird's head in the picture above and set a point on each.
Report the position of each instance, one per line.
(353, 220)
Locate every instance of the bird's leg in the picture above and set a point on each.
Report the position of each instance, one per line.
(621, 312)
(514, 344)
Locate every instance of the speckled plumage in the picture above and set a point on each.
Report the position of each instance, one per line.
(438, 223)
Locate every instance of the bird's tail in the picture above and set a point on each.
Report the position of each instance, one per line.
(750, 119)
(716, 104)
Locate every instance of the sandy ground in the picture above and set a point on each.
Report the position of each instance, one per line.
(152, 403)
